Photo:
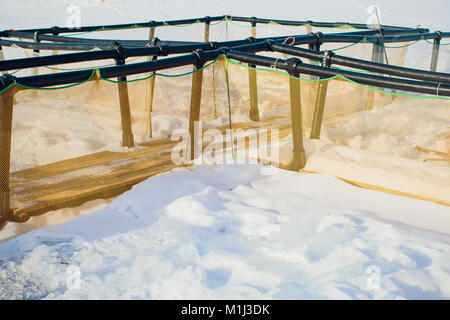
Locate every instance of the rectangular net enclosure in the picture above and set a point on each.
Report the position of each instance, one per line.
(76, 128)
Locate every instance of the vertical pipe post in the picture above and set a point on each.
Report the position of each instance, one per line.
(435, 54)
(196, 98)
(299, 158)
(2, 56)
(206, 39)
(318, 109)
(125, 114)
(55, 53)
(308, 28)
(6, 113)
(252, 80)
(320, 100)
(314, 87)
(207, 27)
(309, 31)
(35, 70)
(377, 56)
(253, 23)
(151, 86)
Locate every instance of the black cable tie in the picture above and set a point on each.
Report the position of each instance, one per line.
(207, 19)
(253, 21)
(326, 60)
(152, 23)
(201, 58)
(292, 64)
(439, 35)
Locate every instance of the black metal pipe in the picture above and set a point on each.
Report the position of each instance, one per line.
(61, 30)
(133, 52)
(58, 30)
(435, 53)
(363, 64)
(441, 89)
(52, 38)
(55, 46)
(312, 23)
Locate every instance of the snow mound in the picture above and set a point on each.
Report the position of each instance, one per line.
(231, 233)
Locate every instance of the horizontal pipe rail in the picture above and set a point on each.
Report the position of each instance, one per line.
(165, 48)
(438, 89)
(426, 87)
(58, 30)
(362, 64)
(61, 30)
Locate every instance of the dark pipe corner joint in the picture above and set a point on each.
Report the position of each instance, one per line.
(269, 44)
(292, 64)
(200, 57)
(6, 80)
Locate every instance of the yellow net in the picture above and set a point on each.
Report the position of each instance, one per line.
(380, 137)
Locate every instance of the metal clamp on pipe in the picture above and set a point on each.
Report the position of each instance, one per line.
(214, 44)
(121, 52)
(163, 49)
(291, 66)
(56, 30)
(315, 45)
(252, 40)
(326, 60)
(269, 45)
(6, 80)
(155, 41)
(36, 36)
(224, 50)
(207, 19)
(200, 57)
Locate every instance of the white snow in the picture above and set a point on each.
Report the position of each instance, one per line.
(228, 231)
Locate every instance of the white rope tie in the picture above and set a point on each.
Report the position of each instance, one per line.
(274, 66)
(437, 89)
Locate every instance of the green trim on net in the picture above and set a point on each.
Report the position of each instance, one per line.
(97, 72)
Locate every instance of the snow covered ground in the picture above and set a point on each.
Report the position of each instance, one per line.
(227, 231)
